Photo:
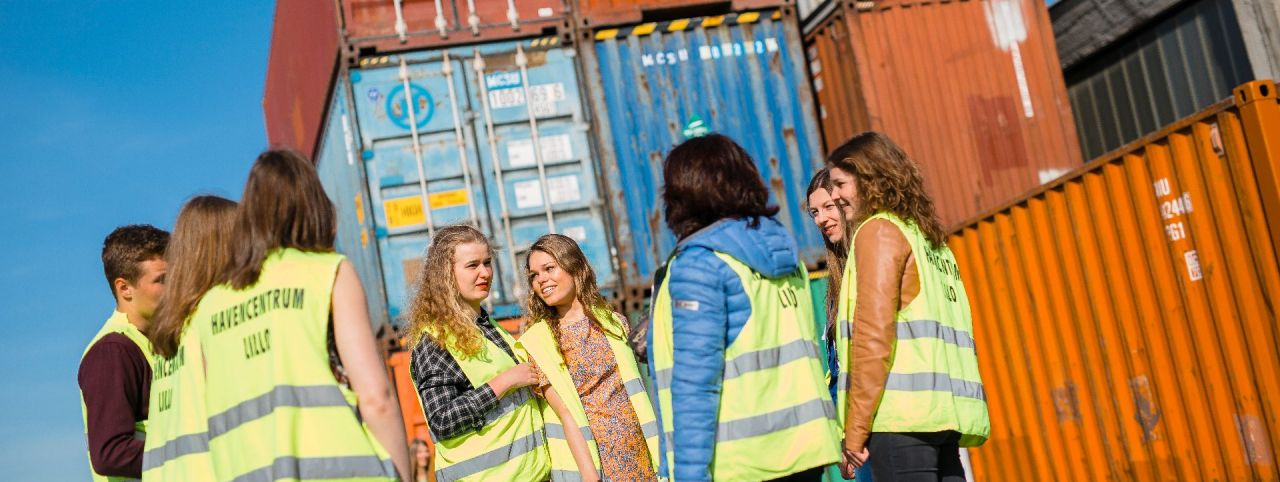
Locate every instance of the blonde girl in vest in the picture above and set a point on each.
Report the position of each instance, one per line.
(473, 389)
(277, 411)
(890, 217)
(197, 255)
(580, 347)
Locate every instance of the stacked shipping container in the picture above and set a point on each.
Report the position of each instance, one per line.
(1126, 313)
(970, 88)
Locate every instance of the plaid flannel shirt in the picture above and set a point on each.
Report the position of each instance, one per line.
(452, 405)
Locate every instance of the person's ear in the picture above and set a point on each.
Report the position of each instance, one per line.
(124, 290)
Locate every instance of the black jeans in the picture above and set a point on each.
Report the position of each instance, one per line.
(811, 475)
(915, 457)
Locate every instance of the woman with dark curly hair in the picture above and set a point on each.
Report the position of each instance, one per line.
(909, 390)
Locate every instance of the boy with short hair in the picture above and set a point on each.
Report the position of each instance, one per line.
(115, 370)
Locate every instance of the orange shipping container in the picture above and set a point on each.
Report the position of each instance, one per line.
(1126, 313)
(971, 89)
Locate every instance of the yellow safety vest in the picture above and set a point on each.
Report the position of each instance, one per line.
(117, 323)
(177, 447)
(275, 409)
(512, 444)
(933, 382)
(775, 416)
(540, 345)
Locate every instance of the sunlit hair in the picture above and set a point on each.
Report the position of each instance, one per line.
(569, 257)
(837, 253)
(710, 178)
(437, 310)
(198, 253)
(284, 206)
(887, 181)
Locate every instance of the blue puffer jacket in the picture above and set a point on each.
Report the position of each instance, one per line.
(712, 309)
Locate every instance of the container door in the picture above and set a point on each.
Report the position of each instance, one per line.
(428, 104)
(740, 75)
(341, 172)
(534, 144)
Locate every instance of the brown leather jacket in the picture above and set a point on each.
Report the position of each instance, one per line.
(887, 281)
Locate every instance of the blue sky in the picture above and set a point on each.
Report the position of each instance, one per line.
(112, 113)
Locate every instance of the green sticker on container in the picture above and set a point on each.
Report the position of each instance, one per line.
(695, 128)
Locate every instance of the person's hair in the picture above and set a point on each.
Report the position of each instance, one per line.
(711, 178)
(887, 181)
(837, 253)
(568, 255)
(284, 206)
(437, 310)
(129, 246)
(197, 258)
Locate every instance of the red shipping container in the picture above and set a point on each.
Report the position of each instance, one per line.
(371, 24)
(972, 90)
(303, 58)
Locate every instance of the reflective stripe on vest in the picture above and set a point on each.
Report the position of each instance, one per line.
(513, 444)
(539, 344)
(117, 323)
(773, 392)
(177, 447)
(274, 407)
(933, 383)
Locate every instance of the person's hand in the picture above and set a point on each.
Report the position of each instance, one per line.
(846, 467)
(521, 375)
(857, 459)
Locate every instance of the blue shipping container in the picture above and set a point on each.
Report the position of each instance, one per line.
(655, 85)
(341, 172)
(484, 157)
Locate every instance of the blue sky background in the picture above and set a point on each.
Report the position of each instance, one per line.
(112, 113)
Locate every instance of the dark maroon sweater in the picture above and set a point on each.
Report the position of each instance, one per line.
(115, 381)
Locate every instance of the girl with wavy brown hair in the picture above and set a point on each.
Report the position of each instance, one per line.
(586, 371)
(909, 393)
(472, 385)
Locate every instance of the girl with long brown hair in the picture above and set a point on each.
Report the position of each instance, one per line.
(472, 386)
(586, 370)
(276, 408)
(909, 392)
(197, 256)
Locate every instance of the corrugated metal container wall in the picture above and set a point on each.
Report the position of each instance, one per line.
(656, 84)
(1126, 316)
(304, 55)
(341, 172)
(1167, 71)
(484, 156)
(606, 13)
(971, 89)
(371, 24)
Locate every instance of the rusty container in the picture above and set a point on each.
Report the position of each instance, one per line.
(371, 25)
(1126, 313)
(592, 14)
(300, 68)
(415, 421)
(971, 89)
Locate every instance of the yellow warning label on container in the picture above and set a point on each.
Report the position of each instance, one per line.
(407, 211)
(448, 199)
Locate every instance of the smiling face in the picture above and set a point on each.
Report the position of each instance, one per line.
(844, 189)
(551, 282)
(473, 270)
(825, 212)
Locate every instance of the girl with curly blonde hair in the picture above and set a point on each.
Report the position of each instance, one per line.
(909, 393)
(472, 386)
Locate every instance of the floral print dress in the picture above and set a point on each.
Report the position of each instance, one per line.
(624, 455)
